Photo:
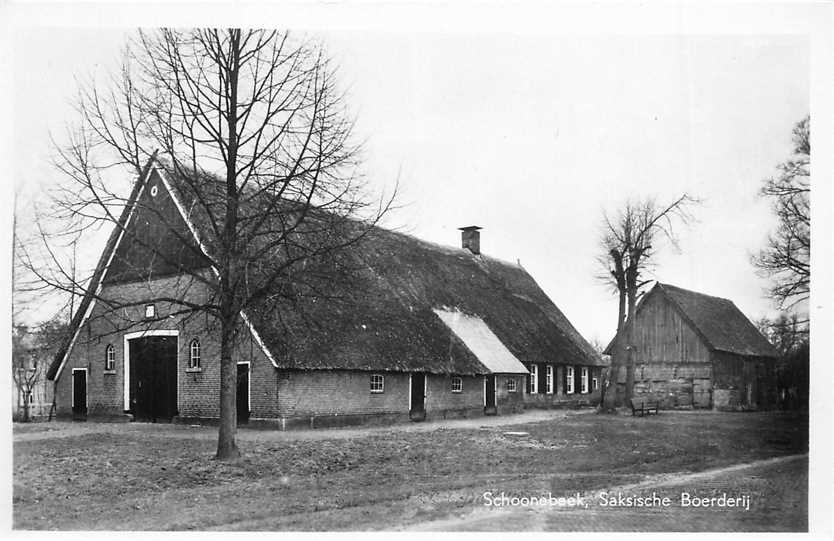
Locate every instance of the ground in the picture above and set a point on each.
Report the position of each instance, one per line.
(417, 476)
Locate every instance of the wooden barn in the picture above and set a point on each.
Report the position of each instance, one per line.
(423, 331)
(700, 351)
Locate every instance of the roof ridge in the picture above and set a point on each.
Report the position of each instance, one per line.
(672, 286)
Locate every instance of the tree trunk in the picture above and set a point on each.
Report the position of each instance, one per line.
(26, 408)
(226, 444)
(629, 333)
(609, 393)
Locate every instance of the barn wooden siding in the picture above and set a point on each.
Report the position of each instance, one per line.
(662, 335)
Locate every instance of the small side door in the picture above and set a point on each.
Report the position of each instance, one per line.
(242, 393)
(489, 395)
(79, 392)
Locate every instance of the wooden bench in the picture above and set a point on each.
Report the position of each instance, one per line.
(641, 407)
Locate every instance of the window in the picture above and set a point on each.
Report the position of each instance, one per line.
(534, 378)
(549, 379)
(194, 355)
(584, 379)
(569, 380)
(511, 385)
(377, 383)
(109, 358)
(594, 383)
(150, 311)
(457, 384)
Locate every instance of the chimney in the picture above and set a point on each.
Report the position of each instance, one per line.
(470, 238)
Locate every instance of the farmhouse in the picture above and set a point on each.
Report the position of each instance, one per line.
(695, 350)
(423, 331)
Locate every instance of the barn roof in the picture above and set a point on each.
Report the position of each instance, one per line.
(718, 321)
(386, 319)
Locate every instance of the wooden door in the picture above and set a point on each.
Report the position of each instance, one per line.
(489, 391)
(242, 393)
(79, 393)
(418, 396)
(489, 394)
(153, 378)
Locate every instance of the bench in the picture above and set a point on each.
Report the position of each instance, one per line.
(643, 407)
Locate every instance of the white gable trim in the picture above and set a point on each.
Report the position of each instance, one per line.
(196, 236)
(103, 275)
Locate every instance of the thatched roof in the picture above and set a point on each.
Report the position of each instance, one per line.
(718, 321)
(381, 316)
(388, 320)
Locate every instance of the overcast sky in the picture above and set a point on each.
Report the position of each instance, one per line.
(530, 137)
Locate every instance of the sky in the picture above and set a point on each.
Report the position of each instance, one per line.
(528, 135)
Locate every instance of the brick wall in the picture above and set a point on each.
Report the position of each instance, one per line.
(338, 392)
(439, 395)
(197, 391)
(506, 401)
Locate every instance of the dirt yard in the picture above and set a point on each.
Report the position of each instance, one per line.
(90, 476)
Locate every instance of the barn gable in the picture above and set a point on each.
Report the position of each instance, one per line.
(716, 322)
(156, 241)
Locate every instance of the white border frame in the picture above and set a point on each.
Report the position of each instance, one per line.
(86, 393)
(248, 384)
(126, 359)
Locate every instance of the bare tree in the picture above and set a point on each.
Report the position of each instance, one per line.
(628, 246)
(32, 350)
(26, 370)
(787, 257)
(251, 126)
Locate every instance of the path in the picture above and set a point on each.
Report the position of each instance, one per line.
(65, 429)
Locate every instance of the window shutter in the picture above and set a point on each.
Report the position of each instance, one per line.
(542, 378)
(529, 380)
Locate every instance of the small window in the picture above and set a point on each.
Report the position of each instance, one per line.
(569, 380)
(109, 358)
(377, 383)
(534, 378)
(457, 384)
(584, 379)
(549, 379)
(594, 383)
(511, 385)
(150, 311)
(194, 355)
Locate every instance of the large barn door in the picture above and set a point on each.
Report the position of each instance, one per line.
(153, 378)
